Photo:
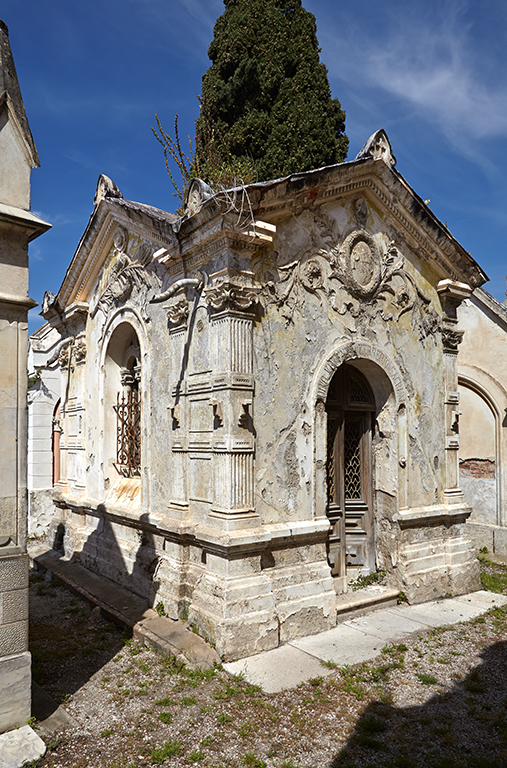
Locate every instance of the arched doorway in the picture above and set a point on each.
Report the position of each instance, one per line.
(350, 408)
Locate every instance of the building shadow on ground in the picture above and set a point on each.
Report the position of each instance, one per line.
(461, 727)
(69, 640)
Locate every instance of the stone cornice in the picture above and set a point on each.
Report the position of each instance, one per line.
(433, 240)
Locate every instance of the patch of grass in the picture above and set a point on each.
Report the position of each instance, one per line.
(166, 717)
(426, 679)
(187, 701)
(165, 702)
(169, 749)
(160, 608)
(195, 757)
(329, 664)
(254, 762)
(365, 581)
(494, 582)
(107, 732)
(224, 718)
(373, 724)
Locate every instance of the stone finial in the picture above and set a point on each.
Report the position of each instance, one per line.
(198, 193)
(106, 188)
(378, 147)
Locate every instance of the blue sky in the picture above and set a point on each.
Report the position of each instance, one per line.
(432, 73)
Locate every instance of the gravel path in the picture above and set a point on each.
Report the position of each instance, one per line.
(438, 700)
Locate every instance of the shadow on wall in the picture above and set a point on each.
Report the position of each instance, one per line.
(466, 726)
(132, 565)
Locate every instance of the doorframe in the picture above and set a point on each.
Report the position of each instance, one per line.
(351, 352)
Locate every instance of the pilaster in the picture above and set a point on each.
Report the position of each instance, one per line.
(232, 301)
(451, 295)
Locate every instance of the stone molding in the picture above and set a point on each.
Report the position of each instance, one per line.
(422, 517)
(351, 350)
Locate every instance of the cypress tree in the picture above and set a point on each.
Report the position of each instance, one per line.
(266, 100)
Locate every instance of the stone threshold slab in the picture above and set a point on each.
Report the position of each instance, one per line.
(356, 640)
(168, 636)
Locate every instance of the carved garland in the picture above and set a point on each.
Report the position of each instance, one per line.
(356, 278)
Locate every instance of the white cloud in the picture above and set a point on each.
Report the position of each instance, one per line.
(434, 63)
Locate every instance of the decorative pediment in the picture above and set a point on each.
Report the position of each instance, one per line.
(129, 270)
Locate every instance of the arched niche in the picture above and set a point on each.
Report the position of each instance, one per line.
(482, 446)
(386, 446)
(123, 405)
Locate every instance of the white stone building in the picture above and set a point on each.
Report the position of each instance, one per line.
(483, 404)
(259, 400)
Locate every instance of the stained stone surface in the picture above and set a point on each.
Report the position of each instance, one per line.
(20, 746)
(15, 677)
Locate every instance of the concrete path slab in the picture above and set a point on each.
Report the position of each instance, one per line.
(20, 746)
(49, 715)
(387, 625)
(438, 613)
(357, 640)
(276, 670)
(342, 645)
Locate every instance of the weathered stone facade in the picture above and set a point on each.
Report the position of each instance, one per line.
(17, 228)
(261, 399)
(483, 406)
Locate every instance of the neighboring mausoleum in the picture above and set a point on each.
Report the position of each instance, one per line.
(259, 399)
(18, 226)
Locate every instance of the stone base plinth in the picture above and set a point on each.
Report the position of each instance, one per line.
(15, 675)
(436, 556)
(15, 690)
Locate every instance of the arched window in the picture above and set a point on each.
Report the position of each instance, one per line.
(128, 417)
(123, 402)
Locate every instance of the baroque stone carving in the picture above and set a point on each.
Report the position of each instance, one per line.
(79, 351)
(358, 278)
(229, 295)
(177, 312)
(451, 339)
(126, 273)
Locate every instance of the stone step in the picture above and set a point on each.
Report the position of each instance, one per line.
(168, 636)
(362, 601)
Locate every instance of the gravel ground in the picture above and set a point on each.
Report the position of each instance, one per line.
(437, 700)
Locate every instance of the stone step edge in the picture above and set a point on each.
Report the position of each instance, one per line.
(197, 654)
(351, 604)
(139, 630)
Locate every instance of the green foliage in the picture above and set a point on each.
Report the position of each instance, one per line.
(365, 581)
(427, 679)
(35, 377)
(166, 717)
(266, 103)
(494, 582)
(169, 749)
(254, 762)
(160, 608)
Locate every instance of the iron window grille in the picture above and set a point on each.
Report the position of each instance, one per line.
(128, 433)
